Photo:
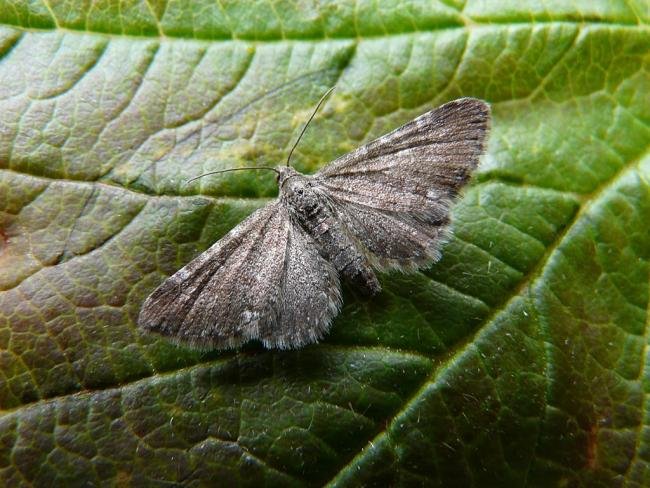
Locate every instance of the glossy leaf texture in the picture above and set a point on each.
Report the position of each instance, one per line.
(519, 359)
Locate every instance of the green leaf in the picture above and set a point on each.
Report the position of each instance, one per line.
(518, 359)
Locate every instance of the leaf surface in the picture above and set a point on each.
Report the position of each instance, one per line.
(518, 359)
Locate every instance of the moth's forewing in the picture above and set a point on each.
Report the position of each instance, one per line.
(264, 280)
(394, 194)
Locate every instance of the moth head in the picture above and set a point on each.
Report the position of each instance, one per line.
(286, 173)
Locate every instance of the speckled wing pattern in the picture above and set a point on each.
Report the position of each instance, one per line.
(394, 193)
(384, 205)
(264, 280)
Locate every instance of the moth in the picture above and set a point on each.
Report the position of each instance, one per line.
(276, 276)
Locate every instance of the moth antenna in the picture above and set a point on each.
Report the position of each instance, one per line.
(322, 99)
(231, 169)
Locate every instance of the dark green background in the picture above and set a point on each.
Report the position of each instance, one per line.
(519, 359)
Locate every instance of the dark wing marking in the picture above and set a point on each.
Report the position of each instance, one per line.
(264, 280)
(394, 193)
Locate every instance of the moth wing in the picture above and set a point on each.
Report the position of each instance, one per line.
(394, 194)
(264, 280)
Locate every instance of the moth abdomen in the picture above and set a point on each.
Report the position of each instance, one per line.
(314, 214)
